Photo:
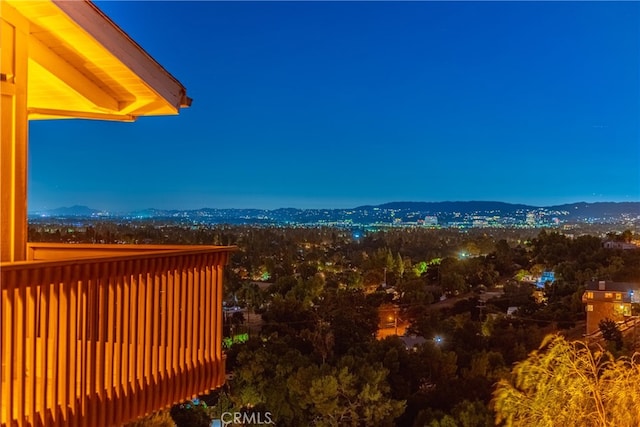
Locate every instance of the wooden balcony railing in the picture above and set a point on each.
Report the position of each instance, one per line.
(114, 333)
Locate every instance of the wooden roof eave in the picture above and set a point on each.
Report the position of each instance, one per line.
(83, 65)
(130, 53)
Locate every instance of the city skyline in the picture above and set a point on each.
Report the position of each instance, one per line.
(460, 215)
(330, 105)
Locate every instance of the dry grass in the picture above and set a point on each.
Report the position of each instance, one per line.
(567, 384)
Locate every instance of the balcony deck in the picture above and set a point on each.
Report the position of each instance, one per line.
(98, 335)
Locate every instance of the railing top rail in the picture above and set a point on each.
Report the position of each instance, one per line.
(152, 252)
(118, 246)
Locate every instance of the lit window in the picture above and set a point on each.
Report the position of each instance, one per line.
(608, 294)
(589, 307)
(590, 295)
(618, 296)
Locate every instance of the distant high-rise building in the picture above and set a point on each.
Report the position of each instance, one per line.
(430, 221)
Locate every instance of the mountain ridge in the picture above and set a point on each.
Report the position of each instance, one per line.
(420, 205)
(448, 212)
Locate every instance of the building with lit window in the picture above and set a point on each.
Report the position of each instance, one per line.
(430, 221)
(609, 300)
(547, 276)
(93, 335)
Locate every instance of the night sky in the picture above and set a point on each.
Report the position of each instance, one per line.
(339, 104)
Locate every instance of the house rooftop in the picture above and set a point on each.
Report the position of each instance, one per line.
(603, 285)
(412, 341)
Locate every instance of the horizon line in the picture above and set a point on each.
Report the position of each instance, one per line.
(35, 211)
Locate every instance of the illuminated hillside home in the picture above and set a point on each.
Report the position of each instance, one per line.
(609, 300)
(93, 335)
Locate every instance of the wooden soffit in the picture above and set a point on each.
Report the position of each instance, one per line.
(82, 65)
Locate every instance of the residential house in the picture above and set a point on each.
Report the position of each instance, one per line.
(412, 342)
(625, 246)
(609, 300)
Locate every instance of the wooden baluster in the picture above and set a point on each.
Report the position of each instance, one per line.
(219, 336)
(43, 356)
(174, 337)
(75, 340)
(182, 332)
(54, 349)
(156, 327)
(100, 270)
(11, 349)
(135, 319)
(164, 322)
(64, 344)
(203, 387)
(147, 382)
(140, 331)
(215, 316)
(206, 357)
(109, 274)
(120, 361)
(193, 310)
(205, 322)
(127, 349)
(91, 345)
(21, 345)
(31, 332)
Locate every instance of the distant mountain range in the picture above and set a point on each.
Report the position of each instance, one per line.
(580, 209)
(469, 213)
(76, 210)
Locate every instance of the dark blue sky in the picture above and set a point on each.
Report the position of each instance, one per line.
(338, 104)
